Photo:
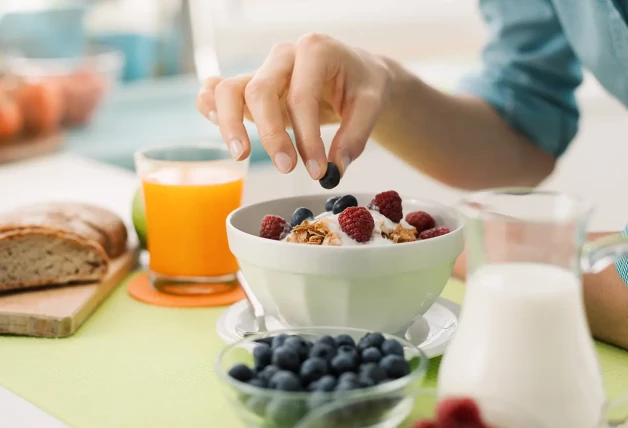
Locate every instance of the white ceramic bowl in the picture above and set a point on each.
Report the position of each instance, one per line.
(377, 288)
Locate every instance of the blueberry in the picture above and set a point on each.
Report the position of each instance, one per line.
(392, 347)
(371, 355)
(373, 371)
(267, 373)
(284, 380)
(351, 351)
(283, 412)
(298, 345)
(395, 366)
(365, 381)
(343, 203)
(344, 339)
(278, 341)
(324, 351)
(329, 203)
(312, 369)
(259, 382)
(241, 372)
(348, 385)
(326, 384)
(369, 340)
(265, 341)
(262, 356)
(348, 376)
(257, 405)
(343, 363)
(300, 215)
(286, 359)
(331, 177)
(327, 340)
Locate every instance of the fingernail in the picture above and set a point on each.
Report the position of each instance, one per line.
(283, 162)
(313, 168)
(213, 117)
(346, 161)
(236, 149)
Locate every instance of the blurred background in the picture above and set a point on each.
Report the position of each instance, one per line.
(102, 78)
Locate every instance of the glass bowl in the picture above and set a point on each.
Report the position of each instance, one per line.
(494, 412)
(258, 407)
(84, 81)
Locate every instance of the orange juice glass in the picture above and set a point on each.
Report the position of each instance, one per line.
(188, 192)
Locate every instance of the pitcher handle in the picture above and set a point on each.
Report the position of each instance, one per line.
(599, 254)
(615, 413)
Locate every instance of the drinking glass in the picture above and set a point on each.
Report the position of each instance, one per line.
(188, 191)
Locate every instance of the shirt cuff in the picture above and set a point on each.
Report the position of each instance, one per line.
(622, 264)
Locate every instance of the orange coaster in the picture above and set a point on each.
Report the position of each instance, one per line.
(140, 288)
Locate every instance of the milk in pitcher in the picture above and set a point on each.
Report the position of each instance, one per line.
(523, 338)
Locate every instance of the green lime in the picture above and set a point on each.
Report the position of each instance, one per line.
(139, 218)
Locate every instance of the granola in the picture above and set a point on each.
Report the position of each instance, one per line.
(314, 233)
(401, 234)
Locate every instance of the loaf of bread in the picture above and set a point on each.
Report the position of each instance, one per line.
(58, 243)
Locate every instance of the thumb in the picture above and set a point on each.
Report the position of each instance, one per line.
(357, 122)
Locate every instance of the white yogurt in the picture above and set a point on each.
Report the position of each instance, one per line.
(523, 338)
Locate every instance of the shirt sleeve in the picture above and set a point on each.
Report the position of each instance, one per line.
(529, 73)
(622, 264)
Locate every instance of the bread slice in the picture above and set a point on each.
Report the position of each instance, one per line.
(38, 256)
(87, 221)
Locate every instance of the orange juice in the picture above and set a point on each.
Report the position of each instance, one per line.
(186, 209)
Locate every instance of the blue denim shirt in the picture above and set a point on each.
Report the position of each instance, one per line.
(533, 63)
(534, 58)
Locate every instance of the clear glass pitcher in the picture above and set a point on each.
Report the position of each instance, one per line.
(523, 333)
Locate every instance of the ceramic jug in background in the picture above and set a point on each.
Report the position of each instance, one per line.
(523, 333)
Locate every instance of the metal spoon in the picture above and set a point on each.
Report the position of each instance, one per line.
(256, 306)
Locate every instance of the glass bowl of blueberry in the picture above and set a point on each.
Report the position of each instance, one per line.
(276, 379)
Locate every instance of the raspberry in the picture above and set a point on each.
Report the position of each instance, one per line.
(420, 220)
(459, 412)
(389, 205)
(273, 227)
(357, 222)
(434, 232)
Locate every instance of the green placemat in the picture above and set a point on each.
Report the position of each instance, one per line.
(134, 365)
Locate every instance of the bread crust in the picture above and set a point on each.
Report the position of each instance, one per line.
(101, 263)
(88, 221)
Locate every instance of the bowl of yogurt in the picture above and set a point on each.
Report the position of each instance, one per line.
(362, 265)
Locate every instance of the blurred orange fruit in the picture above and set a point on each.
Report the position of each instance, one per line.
(10, 118)
(41, 104)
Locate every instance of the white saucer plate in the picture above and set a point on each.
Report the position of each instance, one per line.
(431, 333)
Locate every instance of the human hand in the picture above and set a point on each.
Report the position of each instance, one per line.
(315, 82)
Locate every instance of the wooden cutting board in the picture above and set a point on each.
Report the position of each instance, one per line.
(59, 312)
